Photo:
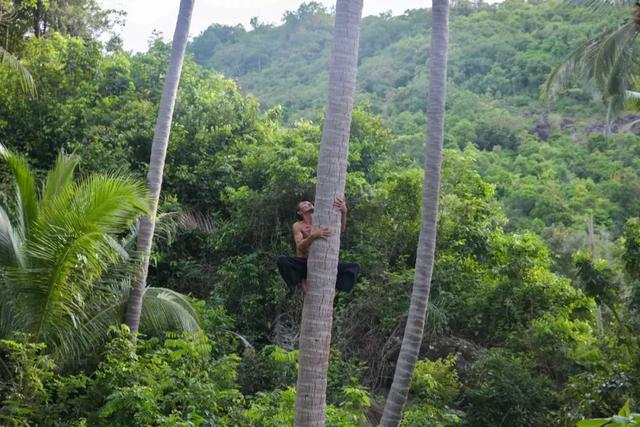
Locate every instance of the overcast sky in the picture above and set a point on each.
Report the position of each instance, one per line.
(143, 16)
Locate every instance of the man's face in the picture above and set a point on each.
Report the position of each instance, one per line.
(305, 208)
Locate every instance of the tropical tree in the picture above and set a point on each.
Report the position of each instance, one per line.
(317, 312)
(414, 328)
(608, 59)
(59, 258)
(158, 156)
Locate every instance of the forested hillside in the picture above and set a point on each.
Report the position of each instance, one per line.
(533, 321)
(499, 57)
(504, 52)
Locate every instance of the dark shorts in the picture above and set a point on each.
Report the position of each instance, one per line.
(293, 270)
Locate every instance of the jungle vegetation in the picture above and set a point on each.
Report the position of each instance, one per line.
(533, 317)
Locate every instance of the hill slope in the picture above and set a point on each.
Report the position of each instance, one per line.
(503, 52)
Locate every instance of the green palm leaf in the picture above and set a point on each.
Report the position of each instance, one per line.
(66, 277)
(163, 310)
(11, 254)
(26, 80)
(60, 177)
(597, 59)
(604, 5)
(26, 197)
(167, 310)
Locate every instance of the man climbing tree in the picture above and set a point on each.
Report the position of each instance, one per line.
(294, 269)
(317, 312)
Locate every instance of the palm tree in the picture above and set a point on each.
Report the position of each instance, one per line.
(59, 256)
(158, 155)
(608, 60)
(317, 312)
(414, 328)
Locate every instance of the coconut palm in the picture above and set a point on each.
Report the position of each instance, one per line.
(317, 312)
(608, 59)
(64, 274)
(414, 328)
(158, 155)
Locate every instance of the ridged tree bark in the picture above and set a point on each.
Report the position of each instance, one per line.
(414, 328)
(158, 155)
(317, 312)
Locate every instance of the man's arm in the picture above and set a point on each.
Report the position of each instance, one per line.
(341, 204)
(302, 243)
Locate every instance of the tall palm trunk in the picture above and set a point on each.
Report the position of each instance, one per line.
(317, 313)
(427, 241)
(158, 155)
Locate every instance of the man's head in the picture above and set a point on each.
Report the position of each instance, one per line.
(303, 209)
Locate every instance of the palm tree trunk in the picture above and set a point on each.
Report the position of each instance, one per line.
(414, 328)
(158, 155)
(317, 312)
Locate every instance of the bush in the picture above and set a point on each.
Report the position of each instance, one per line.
(171, 382)
(505, 391)
(559, 346)
(276, 409)
(436, 382)
(273, 368)
(435, 386)
(23, 391)
(595, 394)
(429, 415)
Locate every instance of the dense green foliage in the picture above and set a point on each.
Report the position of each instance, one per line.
(526, 325)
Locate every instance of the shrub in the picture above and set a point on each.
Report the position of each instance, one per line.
(505, 391)
(436, 382)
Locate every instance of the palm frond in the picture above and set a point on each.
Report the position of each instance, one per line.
(606, 60)
(191, 220)
(70, 247)
(26, 195)
(101, 202)
(11, 254)
(55, 289)
(59, 177)
(55, 286)
(163, 311)
(166, 310)
(609, 62)
(92, 333)
(603, 5)
(169, 224)
(26, 80)
(7, 318)
(567, 70)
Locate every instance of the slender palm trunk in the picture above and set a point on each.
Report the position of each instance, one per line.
(430, 196)
(158, 155)
(317, 313)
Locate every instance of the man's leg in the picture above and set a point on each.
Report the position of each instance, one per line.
(293, 270)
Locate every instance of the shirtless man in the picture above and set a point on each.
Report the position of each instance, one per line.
(302, 233)
(294, 269)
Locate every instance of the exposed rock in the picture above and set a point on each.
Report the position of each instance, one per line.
(466, 351)
(542, 127)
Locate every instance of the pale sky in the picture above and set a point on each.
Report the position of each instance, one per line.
(143, 16)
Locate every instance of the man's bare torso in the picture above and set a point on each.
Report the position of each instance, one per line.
(302, 229)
